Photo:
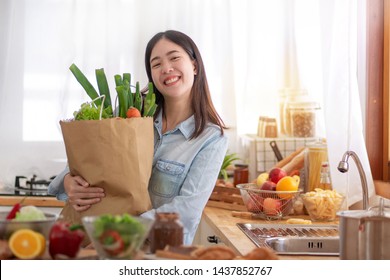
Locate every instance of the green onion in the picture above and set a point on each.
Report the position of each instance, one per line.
(88, 87)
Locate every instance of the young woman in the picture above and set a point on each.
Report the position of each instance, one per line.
(189, 142)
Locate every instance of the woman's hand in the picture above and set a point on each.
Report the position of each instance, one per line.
(81, 195)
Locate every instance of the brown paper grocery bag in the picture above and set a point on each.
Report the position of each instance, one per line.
(115, 154)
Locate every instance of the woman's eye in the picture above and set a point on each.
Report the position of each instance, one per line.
(175, 58)
(156, 65)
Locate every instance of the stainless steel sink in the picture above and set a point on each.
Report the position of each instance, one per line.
(294, 239)
(304, 245)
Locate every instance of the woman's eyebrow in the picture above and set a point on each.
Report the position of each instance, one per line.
(168, 53)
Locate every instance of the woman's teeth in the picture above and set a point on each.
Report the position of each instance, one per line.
(172, 80)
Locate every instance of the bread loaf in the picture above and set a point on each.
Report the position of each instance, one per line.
(287, 159)
(296, 163)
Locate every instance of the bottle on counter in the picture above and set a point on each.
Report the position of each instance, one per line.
(167, 230)
(325, 182)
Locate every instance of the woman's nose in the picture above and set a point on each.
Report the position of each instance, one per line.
(167, 68)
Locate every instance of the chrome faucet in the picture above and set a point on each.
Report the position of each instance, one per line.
(343, 168)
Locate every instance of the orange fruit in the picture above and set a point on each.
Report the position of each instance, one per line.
(27, 244)
(287, 184)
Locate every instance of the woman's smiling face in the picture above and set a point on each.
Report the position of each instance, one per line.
(172, 69)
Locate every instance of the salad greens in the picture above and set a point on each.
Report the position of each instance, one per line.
(119, 234)
(90, 112)
(30, 213)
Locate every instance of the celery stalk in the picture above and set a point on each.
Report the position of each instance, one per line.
(137, 97)
(123, 102)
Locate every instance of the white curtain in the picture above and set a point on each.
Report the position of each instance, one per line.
(251, 50)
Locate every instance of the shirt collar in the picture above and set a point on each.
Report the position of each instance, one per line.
(186, 127)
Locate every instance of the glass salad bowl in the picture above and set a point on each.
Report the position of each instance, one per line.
(117, 236)
(39, 224)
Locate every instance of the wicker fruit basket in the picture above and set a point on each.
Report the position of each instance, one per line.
(270, 205)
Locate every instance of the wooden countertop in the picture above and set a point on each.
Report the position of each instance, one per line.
(224, 225)
(44, 201)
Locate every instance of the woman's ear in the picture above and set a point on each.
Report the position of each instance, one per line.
(195, 67)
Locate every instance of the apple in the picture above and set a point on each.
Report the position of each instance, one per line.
(275, 174)
(271, 206)
(261, 179)
(254, 203)
(268, 186)
(251, 206)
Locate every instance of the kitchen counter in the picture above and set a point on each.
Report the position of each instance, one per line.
(224, 225)
(39, 201)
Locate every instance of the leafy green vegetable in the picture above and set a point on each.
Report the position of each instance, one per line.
(228, 160)
(103, 88)
(123, 100)
(137, 98)
(30, 213)
(126, 225)
(88, 87)
(126, 97)
(149, 102)
(90, 112)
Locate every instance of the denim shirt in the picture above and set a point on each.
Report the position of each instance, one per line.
(183, 175)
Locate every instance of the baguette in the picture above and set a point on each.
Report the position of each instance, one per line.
(296, 163)
(287, 159)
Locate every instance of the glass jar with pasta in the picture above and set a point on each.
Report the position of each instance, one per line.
(316, 154)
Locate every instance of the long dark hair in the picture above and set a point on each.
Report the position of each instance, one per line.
(201, 103)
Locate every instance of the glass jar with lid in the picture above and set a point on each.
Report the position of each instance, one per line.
(167, 230)
(316, 154)
(303, 118)
(286, 96)
(271, 128)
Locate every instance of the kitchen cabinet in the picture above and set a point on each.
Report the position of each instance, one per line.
(206, 235)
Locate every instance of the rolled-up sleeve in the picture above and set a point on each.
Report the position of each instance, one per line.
(56, 187)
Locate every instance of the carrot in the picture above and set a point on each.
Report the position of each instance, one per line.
(133, 112)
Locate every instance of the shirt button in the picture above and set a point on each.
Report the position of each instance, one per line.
(168, 168)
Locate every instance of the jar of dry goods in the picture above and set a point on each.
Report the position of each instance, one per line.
(303, 118)
(316, 155)
(260, 127)
(167, 230)
(241, 174)
(271, 128)
(286, 96)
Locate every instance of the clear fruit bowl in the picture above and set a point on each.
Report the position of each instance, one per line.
(7, 227)
(117, 237)
(270, 205)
